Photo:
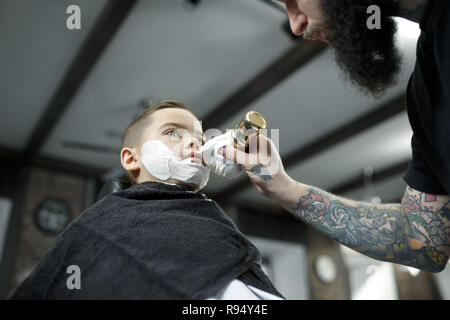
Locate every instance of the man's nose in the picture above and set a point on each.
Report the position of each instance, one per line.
(298, 22)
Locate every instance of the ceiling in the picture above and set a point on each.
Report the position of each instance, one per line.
(200, 55)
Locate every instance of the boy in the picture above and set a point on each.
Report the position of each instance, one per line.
(160, 238)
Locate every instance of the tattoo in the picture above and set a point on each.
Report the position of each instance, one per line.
(415, 233)
(258, 171)
(445, 211)
(412, 9)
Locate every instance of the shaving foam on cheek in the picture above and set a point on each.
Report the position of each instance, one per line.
(215, 161)
(160, 161)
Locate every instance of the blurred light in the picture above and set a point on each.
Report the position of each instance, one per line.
(376, 199)
(372, 269)
(407, 29)
(413, 271)
(326, 268)
(379, 285)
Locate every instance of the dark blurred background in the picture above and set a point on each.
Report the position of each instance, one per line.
(67, 95)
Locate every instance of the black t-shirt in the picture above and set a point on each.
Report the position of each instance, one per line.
(428, 103)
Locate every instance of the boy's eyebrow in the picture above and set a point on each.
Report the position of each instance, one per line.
(178, 125)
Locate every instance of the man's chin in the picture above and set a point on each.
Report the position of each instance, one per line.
(373, 80)
(369, 59)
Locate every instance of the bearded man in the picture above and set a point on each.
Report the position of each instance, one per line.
(415, 232)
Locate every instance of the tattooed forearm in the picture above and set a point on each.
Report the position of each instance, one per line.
(412, 9)
(415, 233)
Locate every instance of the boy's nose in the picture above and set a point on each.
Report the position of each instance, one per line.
(192, 148)
(193, 143)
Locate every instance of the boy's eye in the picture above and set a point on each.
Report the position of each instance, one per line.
(172, 132)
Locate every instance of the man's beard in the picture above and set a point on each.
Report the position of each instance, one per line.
(369, 58)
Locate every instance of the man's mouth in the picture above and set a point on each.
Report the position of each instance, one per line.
(316, 35)
(319, 35)
(317, 32)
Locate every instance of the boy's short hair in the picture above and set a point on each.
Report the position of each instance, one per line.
(133, 133)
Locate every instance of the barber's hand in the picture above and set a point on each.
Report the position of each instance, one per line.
(262, 164)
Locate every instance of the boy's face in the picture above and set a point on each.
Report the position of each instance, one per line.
(180, 130)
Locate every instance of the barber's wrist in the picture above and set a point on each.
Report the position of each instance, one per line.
(277, 189)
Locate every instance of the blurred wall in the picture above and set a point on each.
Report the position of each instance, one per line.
(286, 266)
(294, 249)
(32, 243)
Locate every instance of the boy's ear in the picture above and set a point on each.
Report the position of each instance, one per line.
(130, 161)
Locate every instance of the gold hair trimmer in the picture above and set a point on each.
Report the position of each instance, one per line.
(252, 122)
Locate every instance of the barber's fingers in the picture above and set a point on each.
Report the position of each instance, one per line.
(259, 143)
(234, 155)
(259, 151)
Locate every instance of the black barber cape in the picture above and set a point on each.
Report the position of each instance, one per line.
(428, 103)
(150, 241)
